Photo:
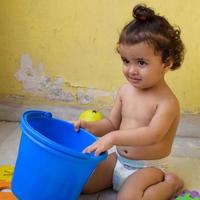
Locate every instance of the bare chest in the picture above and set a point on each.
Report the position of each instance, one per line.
(137, 111)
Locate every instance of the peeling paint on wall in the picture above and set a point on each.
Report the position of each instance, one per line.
(35, 81)
(87, 96)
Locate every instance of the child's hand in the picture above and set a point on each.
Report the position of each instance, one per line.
(101, 145)
(77, 125)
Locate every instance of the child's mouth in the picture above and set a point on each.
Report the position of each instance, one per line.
(134, 79)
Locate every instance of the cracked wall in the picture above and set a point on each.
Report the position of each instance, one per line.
(35, 82)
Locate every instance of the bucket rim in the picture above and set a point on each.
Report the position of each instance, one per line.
(50, 143)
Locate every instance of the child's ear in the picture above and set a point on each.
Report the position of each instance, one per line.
(168, 64)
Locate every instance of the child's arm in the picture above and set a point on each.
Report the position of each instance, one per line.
(152, 133)
(106, 125)
(147, 135)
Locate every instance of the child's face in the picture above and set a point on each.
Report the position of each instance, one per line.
(141, 66)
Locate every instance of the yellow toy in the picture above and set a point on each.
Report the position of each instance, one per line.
(6, 172)
(90, 116)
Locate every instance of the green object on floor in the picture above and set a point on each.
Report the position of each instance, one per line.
(187, 197)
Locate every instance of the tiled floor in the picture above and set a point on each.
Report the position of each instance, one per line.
(185, 159)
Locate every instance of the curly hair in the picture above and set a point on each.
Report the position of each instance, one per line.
(149, 27)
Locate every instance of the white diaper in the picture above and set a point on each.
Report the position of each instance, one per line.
(125, 167)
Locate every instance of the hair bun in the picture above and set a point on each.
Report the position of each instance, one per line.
(142, 13)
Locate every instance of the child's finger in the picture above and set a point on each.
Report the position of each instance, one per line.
(89, 149)
(98, 152)
(77, 125)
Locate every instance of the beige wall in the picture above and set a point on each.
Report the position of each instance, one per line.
(64, 51)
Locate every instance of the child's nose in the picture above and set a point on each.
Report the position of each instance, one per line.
(133, 70)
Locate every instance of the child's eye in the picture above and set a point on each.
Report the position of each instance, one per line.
(142, 62)
(125, 61)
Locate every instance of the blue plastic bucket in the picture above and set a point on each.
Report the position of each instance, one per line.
(50, 165)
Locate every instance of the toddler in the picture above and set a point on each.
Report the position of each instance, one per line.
(143, 121)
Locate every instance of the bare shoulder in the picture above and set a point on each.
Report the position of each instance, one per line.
(125, 89)
(170, 103)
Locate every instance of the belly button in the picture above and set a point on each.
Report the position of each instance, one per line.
(125, 151)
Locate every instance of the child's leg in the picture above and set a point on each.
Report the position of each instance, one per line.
(150, 183)
(170, 187)
(102, 176)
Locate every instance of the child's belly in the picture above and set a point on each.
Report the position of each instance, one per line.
(150, 152)
(156, 151)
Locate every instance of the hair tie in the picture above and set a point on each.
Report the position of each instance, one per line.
(142, 18)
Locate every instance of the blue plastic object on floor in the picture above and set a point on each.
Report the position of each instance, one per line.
(50, 165)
